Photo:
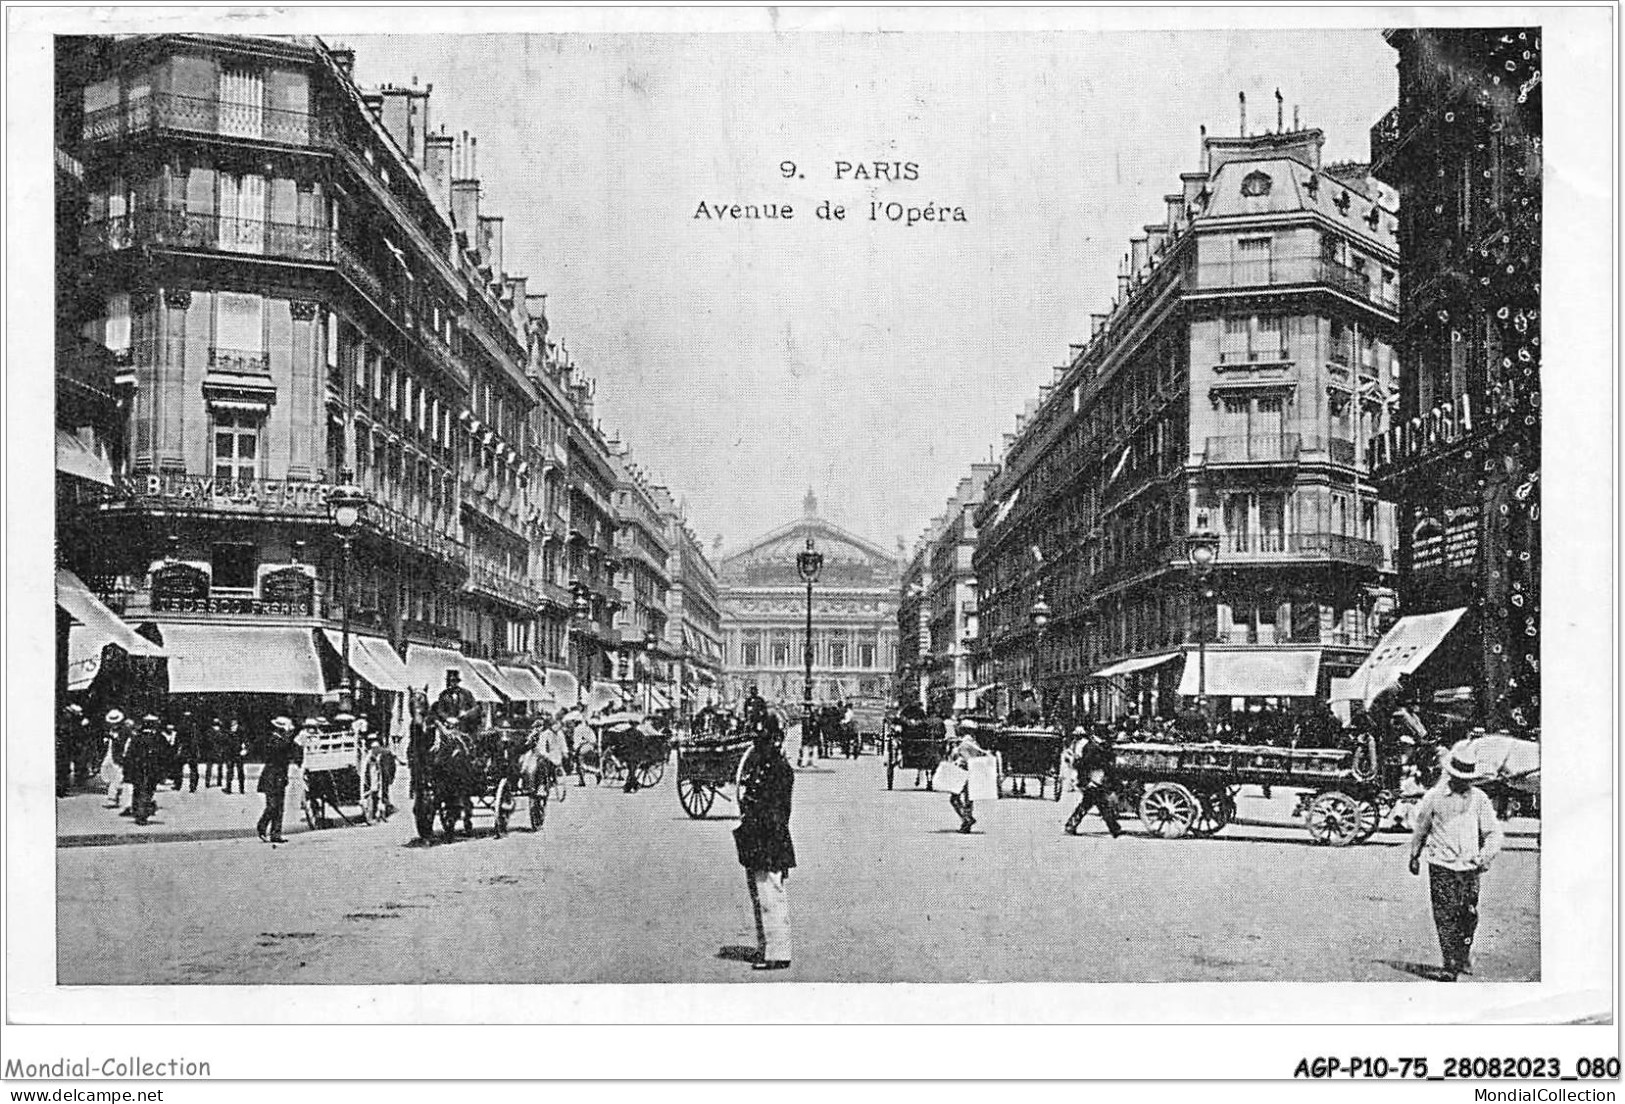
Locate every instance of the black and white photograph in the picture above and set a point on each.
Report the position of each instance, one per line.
(781, 509)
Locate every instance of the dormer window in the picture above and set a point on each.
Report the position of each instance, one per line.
(1256, 184)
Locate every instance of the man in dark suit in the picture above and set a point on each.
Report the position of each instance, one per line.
(1095, 763)
(280, 752)
(455, 705)
(763, 841)
(145, 762)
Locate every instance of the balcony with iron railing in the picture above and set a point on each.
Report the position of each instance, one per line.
(1276, 547)
(244, 362)
(1306, 271)
(181, 229)
(203, 115)
(1277, 448)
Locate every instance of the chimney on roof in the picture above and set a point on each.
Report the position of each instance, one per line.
(1295, 117)
(1139, 255)
(1280, 111)
(1243, 97)
(437, 156)
(344, 58)
(490, 238)
(1097, 322)
(1175, 203)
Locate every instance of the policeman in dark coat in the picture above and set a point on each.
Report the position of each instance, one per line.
(755, 711)
(1095, 763)
(280, 751)
(763, 841)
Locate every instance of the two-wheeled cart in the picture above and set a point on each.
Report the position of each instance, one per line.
(1190, 789)
(1025, 753)
(707, 766)
(913, 747)
(332, 776)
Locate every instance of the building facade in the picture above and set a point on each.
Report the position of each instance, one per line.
(694, 614)
(282, 282)
(1462, 459)
(764, 609)
(643, 554)
(1230, 389)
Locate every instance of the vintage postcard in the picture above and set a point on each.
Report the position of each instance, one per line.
(811, 516)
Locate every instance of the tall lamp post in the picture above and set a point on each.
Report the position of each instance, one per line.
(1202, 550)
(347, 505)
(649, 639)
(809, 563)
(580, 611)
(1038, 613)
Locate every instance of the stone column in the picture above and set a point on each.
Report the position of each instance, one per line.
(147, 403)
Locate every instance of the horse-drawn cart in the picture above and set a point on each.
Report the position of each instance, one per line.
(913, 747)
(627, 746)
(705, 767)
(1029, 753)
(489, 770)
(332, 762)
(1191, 788)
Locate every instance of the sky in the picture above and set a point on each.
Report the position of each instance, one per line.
(872, 360)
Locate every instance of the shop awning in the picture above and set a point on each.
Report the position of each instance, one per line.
(74, 457)
(527, 687)
(1264, 673)
(373, 660)
(84, 657)
(99, 625)
(1401, 650)
(1128, 666)
(245, 659)
(566, 690)
(427, 666)
(604, 695)
(488, 671)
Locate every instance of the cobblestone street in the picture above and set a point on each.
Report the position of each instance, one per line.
(626, 888)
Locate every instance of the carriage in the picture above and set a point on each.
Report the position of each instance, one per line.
(913, 747)
(491, 770)
(1025, 753)
(333, 762)
(706, 766)
(1190, 789)
(624, 745)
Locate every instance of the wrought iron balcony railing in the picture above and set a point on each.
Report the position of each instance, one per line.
(1295, 271)
(248, 362)
(1276, 448)
(203, 115)
(1324, 546)
(226, 234)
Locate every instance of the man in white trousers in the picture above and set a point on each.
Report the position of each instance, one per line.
(763, 842)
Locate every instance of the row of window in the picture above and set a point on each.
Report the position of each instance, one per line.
(779, 653)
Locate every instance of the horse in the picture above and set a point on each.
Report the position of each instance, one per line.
(444, 777)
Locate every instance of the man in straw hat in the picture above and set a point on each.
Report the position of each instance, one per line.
(1456, 831)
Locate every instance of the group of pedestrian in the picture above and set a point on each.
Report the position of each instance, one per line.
(168, 751)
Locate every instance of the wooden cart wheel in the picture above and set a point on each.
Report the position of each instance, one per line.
(1168, 809)
(1334, 819)
(696, 797)
(1371, 815)
(503, 805)
(650, 774)
(611, 770)
(1218, 809)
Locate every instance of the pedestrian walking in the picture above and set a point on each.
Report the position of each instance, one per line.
(236, 756)
(145, 761)
(763, 842)
(189, 750)
(962, 756)
(214, 753)
(280, 751)
(1094, 763)
(1458, 835)
(171, 766)
(116, 733)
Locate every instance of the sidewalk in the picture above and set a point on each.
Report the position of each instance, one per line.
(83, 819)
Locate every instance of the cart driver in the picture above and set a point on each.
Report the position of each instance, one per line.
(455, 706)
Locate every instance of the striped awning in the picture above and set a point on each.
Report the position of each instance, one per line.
(426, 666)
(74, 457)
(526, 685)
(373, 660)
(244, 659)
(1130, 665)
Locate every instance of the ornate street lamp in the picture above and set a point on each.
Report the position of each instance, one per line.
(649, 639)
(809, 563)
(1038, 613)
(1202, 550)
(347, 506)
